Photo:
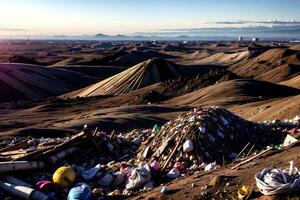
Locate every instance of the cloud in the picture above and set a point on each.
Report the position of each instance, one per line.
(13, 29)
(231, 22)
(270, 25)
(270, 22)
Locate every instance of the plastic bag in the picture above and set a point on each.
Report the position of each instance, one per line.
(122, 176)
(173, 173)
(211, 166)
(88, 174)
(106, 181)
(155, 166)
(276, 181)
(188, 146)
(138, 177)
(80, 191)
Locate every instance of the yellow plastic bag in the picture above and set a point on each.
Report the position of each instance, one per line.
(244, 192)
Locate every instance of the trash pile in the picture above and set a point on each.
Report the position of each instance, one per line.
(66, 168)
(289, 126)
(94, 164)
(206, 135)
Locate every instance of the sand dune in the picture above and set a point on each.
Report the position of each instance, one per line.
(76, 60)
(198, 55)
(21, 59)
(295, 47)
(234, 92)
(139, 76)
(280, 108)
(223, 58)
(293, 82)
(188, 58)
(263, 63)
(133, 57)
(174, 47)
(99, 72)
(282, 73)
(122, 57)
(27, 82)
(146, 82)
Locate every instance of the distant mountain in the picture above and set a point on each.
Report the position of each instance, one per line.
(112, 37)
(101, 35)
(120, 35)
(60, 36)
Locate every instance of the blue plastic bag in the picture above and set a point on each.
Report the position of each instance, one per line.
(80, 191)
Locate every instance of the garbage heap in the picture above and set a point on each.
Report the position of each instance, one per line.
(205, 135)
(63, 168)
(289, 126)
(96, 164)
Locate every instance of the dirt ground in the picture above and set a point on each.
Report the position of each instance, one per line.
(224, 182)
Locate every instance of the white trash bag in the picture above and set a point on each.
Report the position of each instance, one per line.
(138, 177)
(276, 181)
(188, 146)
(173, 173)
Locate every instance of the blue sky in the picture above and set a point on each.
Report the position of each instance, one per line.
(72, 17)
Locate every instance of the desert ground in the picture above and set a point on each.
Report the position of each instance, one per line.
(53, 88)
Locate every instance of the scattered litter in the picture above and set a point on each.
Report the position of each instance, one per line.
(211, 166)
(244, 192)
(138, 177)
(64, 176)
(106, 181)
(80, 191)
(276, 181)
(164, 190)
(173, 173)
(102, 163)
(188, 146)
(289, 140)
(88, 174)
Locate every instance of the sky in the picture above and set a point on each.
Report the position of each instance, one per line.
(76, 17)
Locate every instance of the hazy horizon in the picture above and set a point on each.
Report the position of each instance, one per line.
(158, 17)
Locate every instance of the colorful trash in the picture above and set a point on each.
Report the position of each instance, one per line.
(64, 176)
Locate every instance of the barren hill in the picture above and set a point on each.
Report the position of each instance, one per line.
(234, 92)
(139, 76)
(28, 82)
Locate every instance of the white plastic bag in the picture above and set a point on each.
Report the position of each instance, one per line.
(188, 146)
(173, 173)
(138, 177)
(211, 166)
(88, 174)
(276, 181)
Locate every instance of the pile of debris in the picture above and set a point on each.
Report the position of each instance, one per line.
(206, 135)
(56, 164)
(289, 126)
(96, 164)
